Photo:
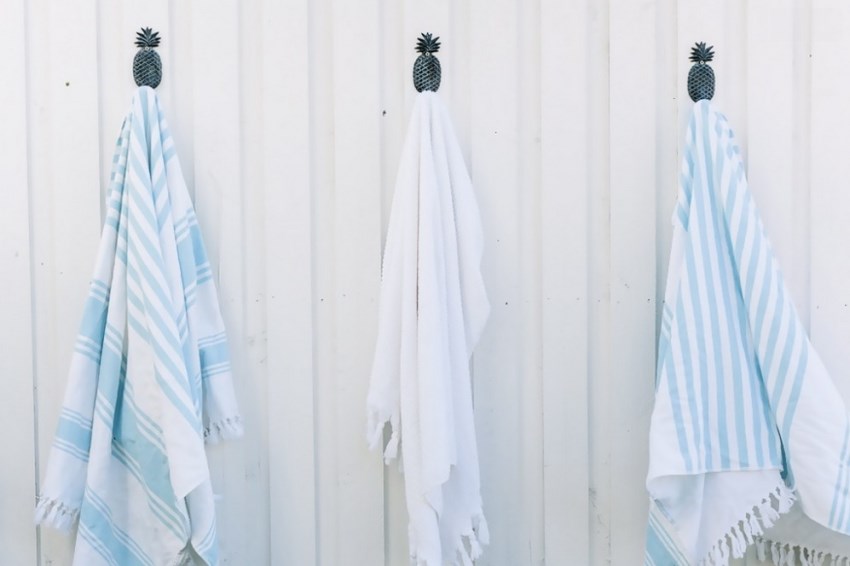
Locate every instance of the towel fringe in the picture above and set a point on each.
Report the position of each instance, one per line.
(749, 529)
(56, 514)
(468, 546)
(224, 429)
(787, 554)
(470, 543)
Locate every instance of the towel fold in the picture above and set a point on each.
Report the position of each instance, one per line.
(150, 374)
(432, 310)
(750, 439)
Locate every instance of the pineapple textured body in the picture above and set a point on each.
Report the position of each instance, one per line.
(426, 70)
(427, 73)
(701, 75)
(701, 83)
(147, 66)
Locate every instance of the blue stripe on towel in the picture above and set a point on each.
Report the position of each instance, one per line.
(135, 404)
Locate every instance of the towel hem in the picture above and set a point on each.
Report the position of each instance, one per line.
(224, 429)
(468, 545)
(750, 528)
(377, 421)
(54, 513)
(788, 553)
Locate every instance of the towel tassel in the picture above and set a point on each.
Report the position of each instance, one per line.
(750, 528)
(225, 429)
(786, 554)
(776, 554)
(55, 514)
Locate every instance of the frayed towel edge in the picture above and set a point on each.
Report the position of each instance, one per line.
(224, 429)
(469, 546)
(377, 421)
(782, 554)
(749, 528)
(55, 514)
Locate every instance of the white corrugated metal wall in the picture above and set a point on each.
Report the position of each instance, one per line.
(288, 116)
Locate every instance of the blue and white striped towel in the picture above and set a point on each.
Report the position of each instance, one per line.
(749, 436)
(150, 375)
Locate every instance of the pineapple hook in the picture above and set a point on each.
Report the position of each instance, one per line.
(426, 69)
(147, 66)
(701, 76)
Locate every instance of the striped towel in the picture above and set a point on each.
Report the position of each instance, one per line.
(749, 436)
(150, 374)
(433, 310)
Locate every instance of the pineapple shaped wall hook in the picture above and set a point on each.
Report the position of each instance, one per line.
(701, 76)
(426, 69)
(147, 66)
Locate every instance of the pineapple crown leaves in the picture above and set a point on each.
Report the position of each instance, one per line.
(147, 38)
(701, 54)
(427, 44)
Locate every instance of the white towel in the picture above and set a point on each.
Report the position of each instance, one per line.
(750, 439)
(150, 374)
(432, 310)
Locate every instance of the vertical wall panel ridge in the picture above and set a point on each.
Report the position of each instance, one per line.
(286, 154)
(498, 363)
(530, 385)
(564, 298)
(357, 260)
(632, 165)
(18, 542)
(600, 379)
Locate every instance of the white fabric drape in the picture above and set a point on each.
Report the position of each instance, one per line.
(432, 311)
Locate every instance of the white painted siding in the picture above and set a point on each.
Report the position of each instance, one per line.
(288, 117)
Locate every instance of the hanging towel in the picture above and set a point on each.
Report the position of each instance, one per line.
(150, 373)
(432, 310)
(750, 441)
